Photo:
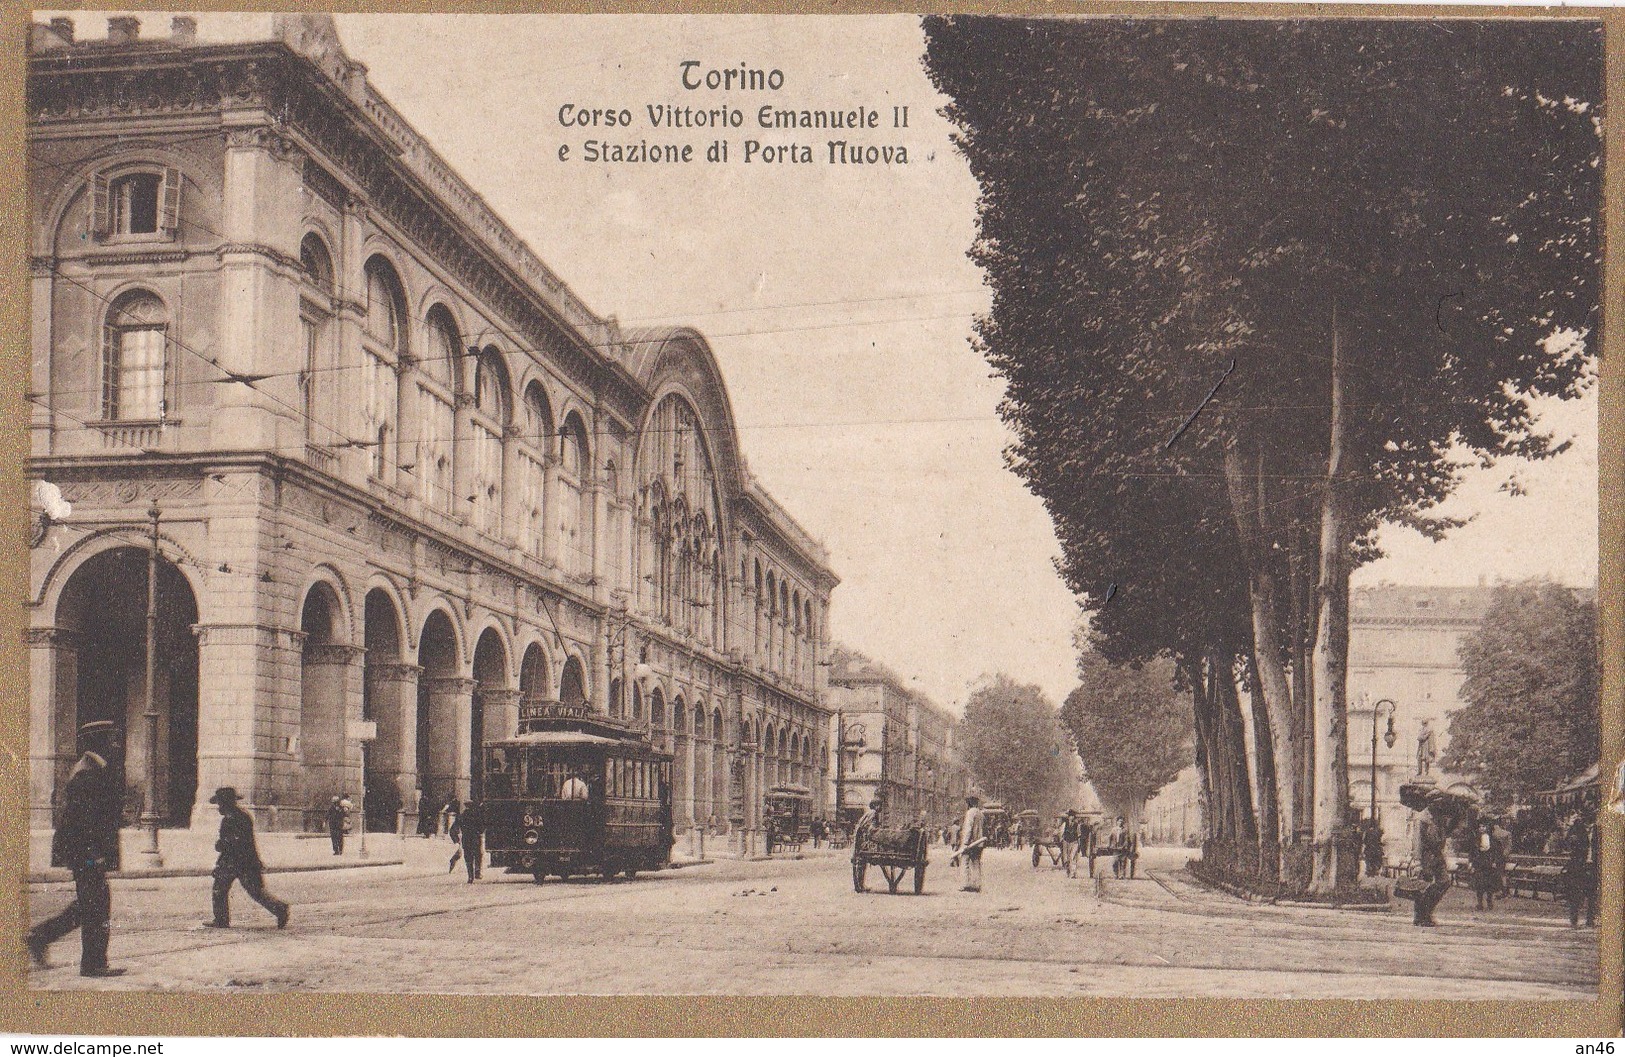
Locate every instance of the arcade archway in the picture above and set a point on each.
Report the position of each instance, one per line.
(102, 614)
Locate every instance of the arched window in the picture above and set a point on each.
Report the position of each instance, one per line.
(135, 359)
(437, 401)
(315, 308)
(490, 422)
(316, 262)
(383, 304)
(385, 352)
(534, 430)
(575, 523)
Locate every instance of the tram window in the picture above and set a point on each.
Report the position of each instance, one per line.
(618, 781)
(543, 779)
(501, 771)
(643, 787)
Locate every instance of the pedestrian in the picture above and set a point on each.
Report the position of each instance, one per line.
(1486, 859)
(86, 842)
(1583, 849)
(1438, 822)
(336, 817)
(425, 815)
(1086, 843)
(1069, 843)
(448, 815)
(971, 842)
(1371, 849)
(239, 861)
(1120, 847)
(469, 833)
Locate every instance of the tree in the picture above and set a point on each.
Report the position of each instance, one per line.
(1532, 715)
(1130, 726)
(1261, 286)
(1012, 742)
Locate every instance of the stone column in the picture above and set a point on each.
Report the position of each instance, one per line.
(348, 384)
(451, 698)
(248, 725)
(53, 717)
(512, 491)
(552, 550)
(331, 761)
(499, 710)
(393, 689)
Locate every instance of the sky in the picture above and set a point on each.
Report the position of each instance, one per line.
(839, 302)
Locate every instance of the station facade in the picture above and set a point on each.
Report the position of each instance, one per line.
(399, 476)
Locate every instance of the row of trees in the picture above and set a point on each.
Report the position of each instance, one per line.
(1259, 287)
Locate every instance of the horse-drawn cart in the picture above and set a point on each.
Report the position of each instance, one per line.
(895, 851)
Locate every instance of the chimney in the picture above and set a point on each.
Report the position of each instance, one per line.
(183, 31)
(63, 27)
(123, 30)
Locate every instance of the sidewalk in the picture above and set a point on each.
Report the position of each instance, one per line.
(190, 853)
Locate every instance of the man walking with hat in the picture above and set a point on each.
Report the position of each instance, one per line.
(239, 861)
(86, 842)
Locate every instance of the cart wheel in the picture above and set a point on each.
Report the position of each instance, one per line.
(564, 873)
(537, 873)
(894, 877)
(608, 871)
(859, 869)
(919, 879)
(631, 873)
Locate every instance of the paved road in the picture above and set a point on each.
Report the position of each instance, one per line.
(796, 927)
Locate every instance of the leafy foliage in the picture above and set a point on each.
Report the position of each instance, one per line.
(1013, 744)
(1130, 726)
(1532, 716)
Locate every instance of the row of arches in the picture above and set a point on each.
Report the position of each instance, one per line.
(782, 627)
(442, 418)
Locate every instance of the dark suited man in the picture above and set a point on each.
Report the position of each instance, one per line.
(86, 842)
(469, 832)
(239, 861)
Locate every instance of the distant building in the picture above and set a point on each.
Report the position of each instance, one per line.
(1404, 647)
(898, 746)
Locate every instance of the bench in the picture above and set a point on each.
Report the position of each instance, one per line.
(1535, 874)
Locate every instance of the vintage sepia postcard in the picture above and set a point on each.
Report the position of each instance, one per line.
(1029, 508)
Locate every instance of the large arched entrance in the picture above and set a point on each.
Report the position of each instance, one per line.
(491, 699)
(442, 697)
(389, 697)
(102, 617)
(323, 665)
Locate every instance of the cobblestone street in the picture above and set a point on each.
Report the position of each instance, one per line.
(796, 927)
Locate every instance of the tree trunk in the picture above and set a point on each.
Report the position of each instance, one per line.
(1331, 653)
(1271, 695)
(1207, 752)
(1302, 763)
(1269, 819)
(1228, 705)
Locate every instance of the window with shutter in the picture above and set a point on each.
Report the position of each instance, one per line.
(169, 217)
(101, 218)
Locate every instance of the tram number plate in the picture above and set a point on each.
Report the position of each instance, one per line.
(533, 820)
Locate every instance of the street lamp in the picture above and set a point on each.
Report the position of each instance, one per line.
(149, 815)
(1388, 737)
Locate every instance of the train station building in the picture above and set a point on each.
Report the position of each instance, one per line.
(399, 476)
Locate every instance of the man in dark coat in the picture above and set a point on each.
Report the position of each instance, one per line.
(1583, 847)
(86, 843)
(469, 831)
(335, 824)
(239, 861)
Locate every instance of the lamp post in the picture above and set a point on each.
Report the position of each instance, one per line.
(1389, 737)
(149, 813)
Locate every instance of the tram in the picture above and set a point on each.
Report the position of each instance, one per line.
(576, 792)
